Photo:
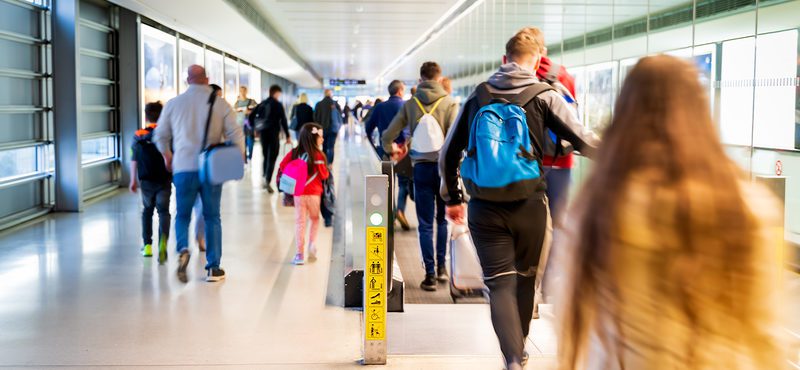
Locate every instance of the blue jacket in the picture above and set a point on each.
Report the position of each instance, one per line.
(382, 115)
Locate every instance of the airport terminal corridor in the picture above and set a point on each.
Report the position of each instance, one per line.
(442, 184)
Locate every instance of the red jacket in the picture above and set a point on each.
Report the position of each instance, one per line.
(321, 168)
(567, 160)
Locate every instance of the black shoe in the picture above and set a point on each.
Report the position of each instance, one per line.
(183, 262)
(328, 223)
(215, 274)
(429, 284)
(441, 274)
(270, 189)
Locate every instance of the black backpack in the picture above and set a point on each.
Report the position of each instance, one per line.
(150, 164)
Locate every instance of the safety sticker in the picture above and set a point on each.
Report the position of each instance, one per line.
(376, 235)
(376, 331)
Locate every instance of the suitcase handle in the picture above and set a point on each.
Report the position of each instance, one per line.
(458, 231)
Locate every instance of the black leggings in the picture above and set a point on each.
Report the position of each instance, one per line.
(509, 238)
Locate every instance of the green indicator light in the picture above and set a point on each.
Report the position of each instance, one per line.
(376, 219)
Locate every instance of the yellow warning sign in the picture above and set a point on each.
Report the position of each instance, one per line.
(376, 331)
(375, 272)
(376, 235)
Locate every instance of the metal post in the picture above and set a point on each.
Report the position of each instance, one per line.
(129, 110)
(376, 267)
(66, 107)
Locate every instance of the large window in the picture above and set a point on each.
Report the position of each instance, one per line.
(158, 65)
(231, 80)
(214, 68)
(190, 54)
(775, 91)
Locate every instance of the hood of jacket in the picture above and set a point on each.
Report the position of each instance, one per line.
(512, 76)
(429, 92)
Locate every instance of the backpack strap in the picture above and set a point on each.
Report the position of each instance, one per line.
(483, 94)
(523, 99)
(422, 108)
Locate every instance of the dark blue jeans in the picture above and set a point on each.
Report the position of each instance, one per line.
(558, 181)
(155, 196)
(404, 190)
(329, 144)
(187, 187)
(430, 206)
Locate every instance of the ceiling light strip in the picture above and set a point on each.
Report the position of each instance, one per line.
(447, 20)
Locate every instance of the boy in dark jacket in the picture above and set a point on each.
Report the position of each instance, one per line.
(509, 235)
(149, 173)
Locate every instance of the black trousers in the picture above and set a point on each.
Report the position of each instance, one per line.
(509, 238)
(155, 196)
(270, 148)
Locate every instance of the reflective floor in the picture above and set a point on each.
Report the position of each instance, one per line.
(75, 292)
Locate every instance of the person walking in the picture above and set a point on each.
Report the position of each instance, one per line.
(324, 115)
(181, 129)
(428, 117)
(670, 258)
(508, 217)
(378, 119)
(244, 106)
(307, 205)
(301, 114)
(270, 121)
(149, 174)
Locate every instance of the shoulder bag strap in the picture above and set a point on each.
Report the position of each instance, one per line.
(523, 99)
(211, 100)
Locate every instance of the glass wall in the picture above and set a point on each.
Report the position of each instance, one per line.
(26, 127)
(158, 65)
(231, 87)
(166, 56)
(190, 54)
(746, 53)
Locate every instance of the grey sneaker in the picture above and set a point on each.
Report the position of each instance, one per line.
(312, 254)
(183, 262)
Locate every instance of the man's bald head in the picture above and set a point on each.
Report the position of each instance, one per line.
(328, 93)
(197, 75)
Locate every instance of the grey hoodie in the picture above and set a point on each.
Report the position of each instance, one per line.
(409, 115)
(547, 110)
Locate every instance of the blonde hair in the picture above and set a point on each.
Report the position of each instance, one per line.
(527, 41)
(302, 99)
(664, 257)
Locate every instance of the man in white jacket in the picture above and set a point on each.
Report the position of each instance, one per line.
(179, 137)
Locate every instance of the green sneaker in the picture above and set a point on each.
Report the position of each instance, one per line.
(162, 251)
(147, 251)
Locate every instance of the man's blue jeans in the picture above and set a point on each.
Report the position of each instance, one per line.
(404, 185)
(187, 187)
(558, 181)
(430, 205)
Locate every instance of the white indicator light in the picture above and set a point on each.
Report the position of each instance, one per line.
(376, 219)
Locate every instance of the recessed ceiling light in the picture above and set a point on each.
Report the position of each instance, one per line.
(354, 45)
(360, 9)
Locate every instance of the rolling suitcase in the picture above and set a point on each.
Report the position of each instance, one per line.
(466, 274)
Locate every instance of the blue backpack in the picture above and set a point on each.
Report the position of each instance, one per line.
(503, 155)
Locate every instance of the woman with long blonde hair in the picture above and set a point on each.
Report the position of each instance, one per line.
(669, 260)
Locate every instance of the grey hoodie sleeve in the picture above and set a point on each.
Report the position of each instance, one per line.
(453, 151)
(560, 118)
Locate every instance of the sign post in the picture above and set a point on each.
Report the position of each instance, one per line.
(376, 269)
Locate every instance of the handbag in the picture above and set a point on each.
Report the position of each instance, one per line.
(288, 200)
(219, 162)
(329, 194)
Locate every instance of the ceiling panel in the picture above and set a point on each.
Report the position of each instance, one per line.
(352, 38)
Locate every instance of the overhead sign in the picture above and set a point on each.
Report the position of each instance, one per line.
(345, 82)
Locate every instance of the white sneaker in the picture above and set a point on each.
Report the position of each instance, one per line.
(312, 253)
(298, 259)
